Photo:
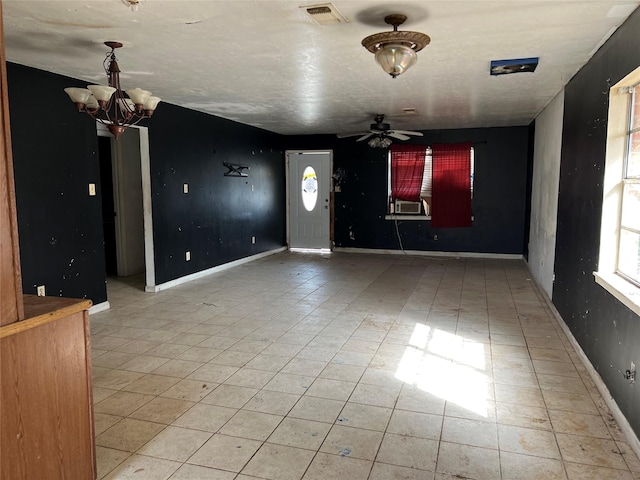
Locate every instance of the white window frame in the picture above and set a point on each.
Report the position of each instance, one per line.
(427, 183)
(618, 132)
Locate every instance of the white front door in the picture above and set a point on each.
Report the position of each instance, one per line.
(309, 205)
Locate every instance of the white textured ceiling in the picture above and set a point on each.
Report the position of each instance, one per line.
(266, 63)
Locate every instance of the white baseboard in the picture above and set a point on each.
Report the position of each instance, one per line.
(209, 271)
(425, 253)
(99, 307)
(622, 421)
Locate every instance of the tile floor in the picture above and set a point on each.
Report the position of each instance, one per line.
(347, 366)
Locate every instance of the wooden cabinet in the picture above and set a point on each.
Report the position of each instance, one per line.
(46, 402)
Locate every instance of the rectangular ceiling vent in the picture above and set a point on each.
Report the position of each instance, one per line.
(325, 14)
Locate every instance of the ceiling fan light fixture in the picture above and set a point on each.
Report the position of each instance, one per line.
(396, 51)
(379, 142)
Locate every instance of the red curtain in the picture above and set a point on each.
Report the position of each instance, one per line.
(407, 168)
(451, 203)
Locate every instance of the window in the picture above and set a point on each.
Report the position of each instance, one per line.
(400, 200)
(629, 242)
(619, 261)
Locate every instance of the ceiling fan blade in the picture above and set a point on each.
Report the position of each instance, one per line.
(364, 137)
(409, 132)
(397, 135)
(351, 134)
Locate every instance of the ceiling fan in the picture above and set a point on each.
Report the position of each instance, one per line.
(380, 133)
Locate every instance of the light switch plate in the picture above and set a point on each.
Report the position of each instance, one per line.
(92, 189)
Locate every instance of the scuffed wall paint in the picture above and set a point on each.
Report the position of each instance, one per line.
(544, 196)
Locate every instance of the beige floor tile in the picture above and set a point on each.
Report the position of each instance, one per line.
(579, 424)
(325, 466)
(588, 472)
(205, 417)
(548, 367)
(191, 390)
(549, 354)
(331, 389)
(129, 434)
(230, 396)
(633, 461)
(177, 368)
(122, 403)
(412, 452)
(225, 453)
(233, 358)
(464, 461)
(253, 425)
(142, 467)
(107, 459)
(103, 421)
(364, 416)
(590, 451)
(279, 462)
(301, 366)
(288, 383)
(267, 401)
(199, 354)
(100, 394)
(382, 378)
(525, 467)
(527, 441)
(213, 373)
(300, 433)
(360, 359)
(523, 416)
(151, 384)
(271, 363)
(561, 384)
(144, 363)
(248, 377)
(374, 395)
(196, 472)
(352, 442)
(168, 350)
(415, 424)
(519, 395)
(219, 342)
(113, 359)
(382, 471)
(116, 379)
(418, 400)
(250, 346)
(470, 432)
(318, 409)
(175, 443)
(570, 401)
(317, 354)
(346, 373)
(162, 410)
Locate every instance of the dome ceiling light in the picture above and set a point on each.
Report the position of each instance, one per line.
(396, 51)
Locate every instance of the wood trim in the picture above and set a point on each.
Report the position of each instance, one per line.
(11, 307)
(43, 310)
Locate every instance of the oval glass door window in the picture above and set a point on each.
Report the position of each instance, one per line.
(309, 188)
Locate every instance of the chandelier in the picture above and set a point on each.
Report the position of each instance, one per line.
(396, 51)
(108, 104)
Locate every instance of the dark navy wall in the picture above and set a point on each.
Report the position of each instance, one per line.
(217, 218)
(60, 226)
(608, 332)
(55, 159)
(499, 202)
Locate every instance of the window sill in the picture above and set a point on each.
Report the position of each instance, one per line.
(623, 290)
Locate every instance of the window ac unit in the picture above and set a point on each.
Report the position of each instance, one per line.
(407, 208)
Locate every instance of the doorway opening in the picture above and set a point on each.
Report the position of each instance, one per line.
(125, 181)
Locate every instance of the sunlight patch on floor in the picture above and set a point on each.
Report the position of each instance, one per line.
(447, 366)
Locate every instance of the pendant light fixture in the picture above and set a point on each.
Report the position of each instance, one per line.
(109, 104)
(396, 51)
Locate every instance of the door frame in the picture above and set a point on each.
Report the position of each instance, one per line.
(288, 153)
(145, 170)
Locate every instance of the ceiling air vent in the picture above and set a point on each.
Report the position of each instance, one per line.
(325, 14)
